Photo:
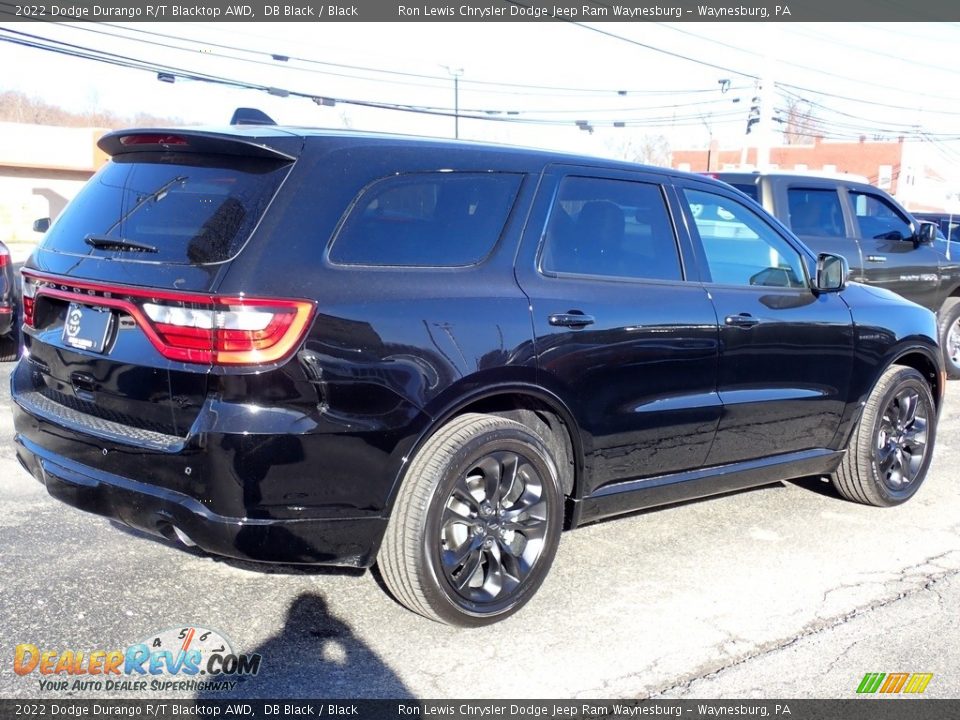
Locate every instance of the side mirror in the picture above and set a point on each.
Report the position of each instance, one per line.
(926, 232)
(832, 272)
(41, 225)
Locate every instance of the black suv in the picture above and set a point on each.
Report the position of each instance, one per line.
(314, 347)
(884, 245)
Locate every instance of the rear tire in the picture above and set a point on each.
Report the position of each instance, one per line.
(891, 446)
(949, 325)
(9, 347)
(476, 523)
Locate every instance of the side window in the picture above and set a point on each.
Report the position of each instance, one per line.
(878, 219)
(426, 219)
(951, 229)
(614, 228)
(741, 247)
(815, 212)
(748, 189)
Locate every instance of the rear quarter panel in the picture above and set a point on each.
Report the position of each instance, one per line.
(391, 347)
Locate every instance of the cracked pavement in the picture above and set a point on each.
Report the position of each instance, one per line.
(783, 591)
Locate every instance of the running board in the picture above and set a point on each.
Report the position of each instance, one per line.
(633, 495)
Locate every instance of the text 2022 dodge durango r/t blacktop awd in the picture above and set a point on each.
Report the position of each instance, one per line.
(306, 346)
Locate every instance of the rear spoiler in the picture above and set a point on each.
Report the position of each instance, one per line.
(120, 142)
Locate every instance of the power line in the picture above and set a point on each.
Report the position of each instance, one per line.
(71, 50)
(441, 81)
(631, 41)
(441, 87)
(860, 81)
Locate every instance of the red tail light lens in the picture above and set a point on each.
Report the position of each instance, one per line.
(4, 257)
(237, 331)
(152, 139)
(29, 289)
(208, 329)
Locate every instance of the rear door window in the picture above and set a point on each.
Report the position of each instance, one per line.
(426, 220)
(180, 209)
(611, 228)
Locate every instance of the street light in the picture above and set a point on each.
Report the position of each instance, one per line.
(456, 74)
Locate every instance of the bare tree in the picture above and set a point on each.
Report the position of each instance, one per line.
(645, 149)
(19, 108)
(800, 126)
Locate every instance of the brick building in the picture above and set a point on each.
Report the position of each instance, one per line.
(911, 171)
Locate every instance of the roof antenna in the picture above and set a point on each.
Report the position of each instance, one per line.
(251, 116)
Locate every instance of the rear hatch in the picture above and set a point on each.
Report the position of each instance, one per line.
(122, 321)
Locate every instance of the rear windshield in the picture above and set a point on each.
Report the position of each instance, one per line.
(174, 208)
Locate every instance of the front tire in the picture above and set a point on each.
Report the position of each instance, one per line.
(949, 321)
(890, 449)
(476, 523)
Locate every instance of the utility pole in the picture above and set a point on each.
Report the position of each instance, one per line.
(456, 74)
(765, 127)
(753, 117)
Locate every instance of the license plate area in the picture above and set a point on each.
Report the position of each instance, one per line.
(87, 328)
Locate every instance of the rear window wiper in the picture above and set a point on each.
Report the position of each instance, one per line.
(102, 242)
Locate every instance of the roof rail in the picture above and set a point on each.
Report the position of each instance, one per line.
(251, 116)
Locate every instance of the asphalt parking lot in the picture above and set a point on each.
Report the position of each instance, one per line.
(784, 591)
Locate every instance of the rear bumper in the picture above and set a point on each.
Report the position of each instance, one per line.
(163, 512)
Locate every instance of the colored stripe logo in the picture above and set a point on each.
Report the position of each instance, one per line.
(893, 683)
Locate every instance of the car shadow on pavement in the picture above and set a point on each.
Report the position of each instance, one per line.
(315, 655)
(818, 484)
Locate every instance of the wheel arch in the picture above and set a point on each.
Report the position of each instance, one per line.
(919, 357)
(954, 293)
(948, 315)
(920, 360)
(526, 403)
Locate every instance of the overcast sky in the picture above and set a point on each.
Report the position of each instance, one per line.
(659, 78)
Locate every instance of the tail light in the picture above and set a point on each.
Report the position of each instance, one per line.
(5, 309)
(29, 293)
(228, 331)
(207, 329)
(164, 139)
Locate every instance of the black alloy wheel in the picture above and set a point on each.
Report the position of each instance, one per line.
(476, 523)
(889, 450)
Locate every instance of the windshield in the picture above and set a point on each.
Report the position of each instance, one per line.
(182, 209)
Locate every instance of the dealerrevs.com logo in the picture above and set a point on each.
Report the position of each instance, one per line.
(189, 658)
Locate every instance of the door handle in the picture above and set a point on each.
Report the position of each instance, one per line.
(743, 320)
(572, 319)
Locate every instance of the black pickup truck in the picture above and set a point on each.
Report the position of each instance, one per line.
(884, 245)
